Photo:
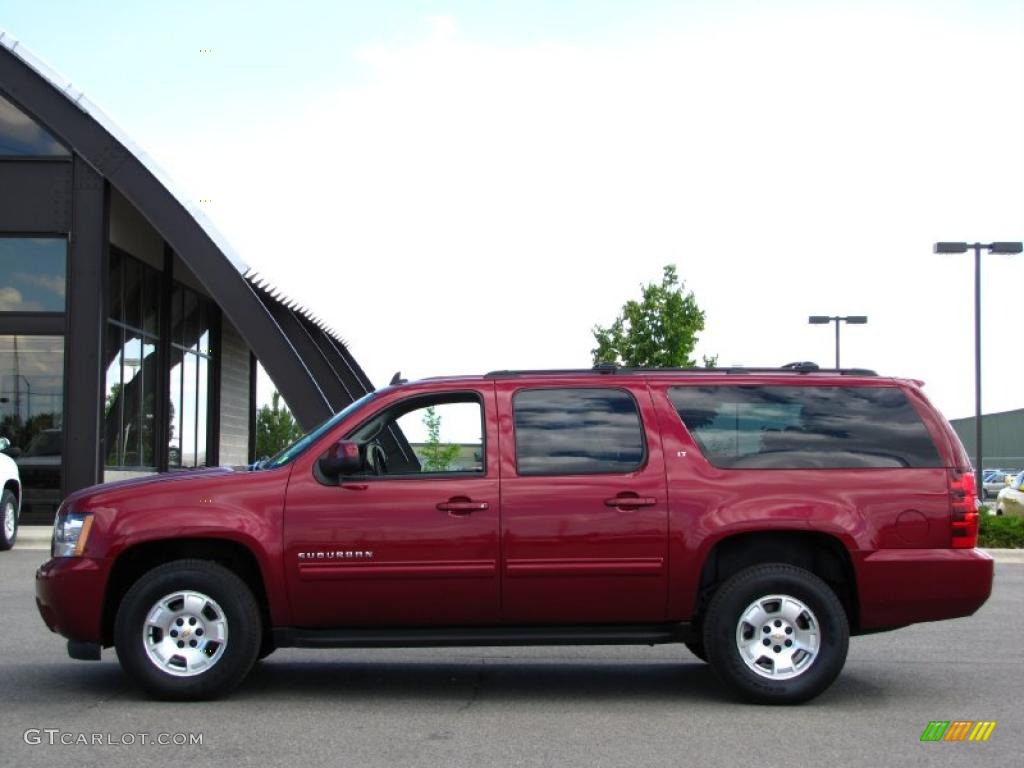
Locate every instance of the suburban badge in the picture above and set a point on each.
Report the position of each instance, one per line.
(339, 554)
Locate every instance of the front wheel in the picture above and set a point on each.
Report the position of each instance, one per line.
(8, 519)
(188, 630)
(776, 634)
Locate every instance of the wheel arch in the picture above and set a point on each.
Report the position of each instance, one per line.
(820, 553)
(14, 486)
(134, 561)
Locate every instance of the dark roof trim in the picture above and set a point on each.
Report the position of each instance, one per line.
(63, 111)
(607, 369)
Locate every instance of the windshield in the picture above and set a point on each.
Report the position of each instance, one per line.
(311, 437)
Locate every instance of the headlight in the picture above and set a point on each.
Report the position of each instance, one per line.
(70, 532)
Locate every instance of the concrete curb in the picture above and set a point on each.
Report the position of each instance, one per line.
(1015, 556)
(38, 537)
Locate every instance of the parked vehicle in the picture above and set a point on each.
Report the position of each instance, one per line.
(760, 516)
(39, 465)
(994, 482)
(1010, 500)
(10, 497)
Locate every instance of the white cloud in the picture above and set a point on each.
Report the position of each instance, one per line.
(468, 207)
(53, 283)
(10, 299)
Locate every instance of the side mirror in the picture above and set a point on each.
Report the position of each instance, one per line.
(4, 444)
(342, 458)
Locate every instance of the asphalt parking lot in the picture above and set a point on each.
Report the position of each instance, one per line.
(606, 706)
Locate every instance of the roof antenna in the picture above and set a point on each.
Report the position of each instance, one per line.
(397, 379)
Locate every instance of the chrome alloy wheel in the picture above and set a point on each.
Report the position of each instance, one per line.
(778, 637)
(10, 520)
(185, 633)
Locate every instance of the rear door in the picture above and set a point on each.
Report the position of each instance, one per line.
(584, 520)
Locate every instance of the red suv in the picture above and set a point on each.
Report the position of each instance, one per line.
(758, 516)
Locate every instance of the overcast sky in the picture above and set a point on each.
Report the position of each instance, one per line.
(462, 186)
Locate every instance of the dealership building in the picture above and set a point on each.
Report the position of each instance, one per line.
(1002, 438)
(129, 331)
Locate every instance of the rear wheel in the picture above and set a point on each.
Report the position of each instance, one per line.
(188, 630)
(776, 634)
(8, 519)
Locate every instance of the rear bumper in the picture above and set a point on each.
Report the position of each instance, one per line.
(905, 586)
(69, 596)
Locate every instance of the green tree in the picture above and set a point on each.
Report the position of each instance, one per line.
(112, 397)
(658, 331)
(437, 456)
(275, 427)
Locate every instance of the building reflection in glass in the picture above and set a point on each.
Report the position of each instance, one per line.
(31, 409)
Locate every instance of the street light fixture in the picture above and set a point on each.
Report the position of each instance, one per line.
(1000, 247)
(826, 319)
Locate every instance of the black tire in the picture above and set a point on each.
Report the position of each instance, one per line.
(241, 613)
(8, 501)
(696, 647)
(722, 621)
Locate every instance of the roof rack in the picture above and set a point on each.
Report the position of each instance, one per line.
(604, 369)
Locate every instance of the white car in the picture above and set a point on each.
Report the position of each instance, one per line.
(993, 482)
(1010, 500)
(10, 500)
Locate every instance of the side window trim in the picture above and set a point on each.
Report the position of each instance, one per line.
(644, 453)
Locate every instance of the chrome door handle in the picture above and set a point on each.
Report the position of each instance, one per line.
(460, 507)
(630, 502)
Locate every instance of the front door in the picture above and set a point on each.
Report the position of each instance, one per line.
(413, 538)
(584, 513)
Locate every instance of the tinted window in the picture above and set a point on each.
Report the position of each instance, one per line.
(189, 383)
(31, 411)
(32, 274)
(576, 431)
(20, 135)
(132, 365)
(805, 427)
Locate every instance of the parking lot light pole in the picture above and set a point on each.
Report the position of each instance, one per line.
(1001, 247)
(826, 319)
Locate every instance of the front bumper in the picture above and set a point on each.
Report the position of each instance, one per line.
(69, 596)
(905, 586)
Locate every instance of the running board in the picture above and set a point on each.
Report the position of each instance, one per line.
(436, 637)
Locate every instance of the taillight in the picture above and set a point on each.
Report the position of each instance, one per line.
(963, 498)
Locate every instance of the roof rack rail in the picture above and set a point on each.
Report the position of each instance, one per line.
(610, 368)
(551, 371)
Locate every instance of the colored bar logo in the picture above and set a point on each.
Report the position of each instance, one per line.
(958, 730)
